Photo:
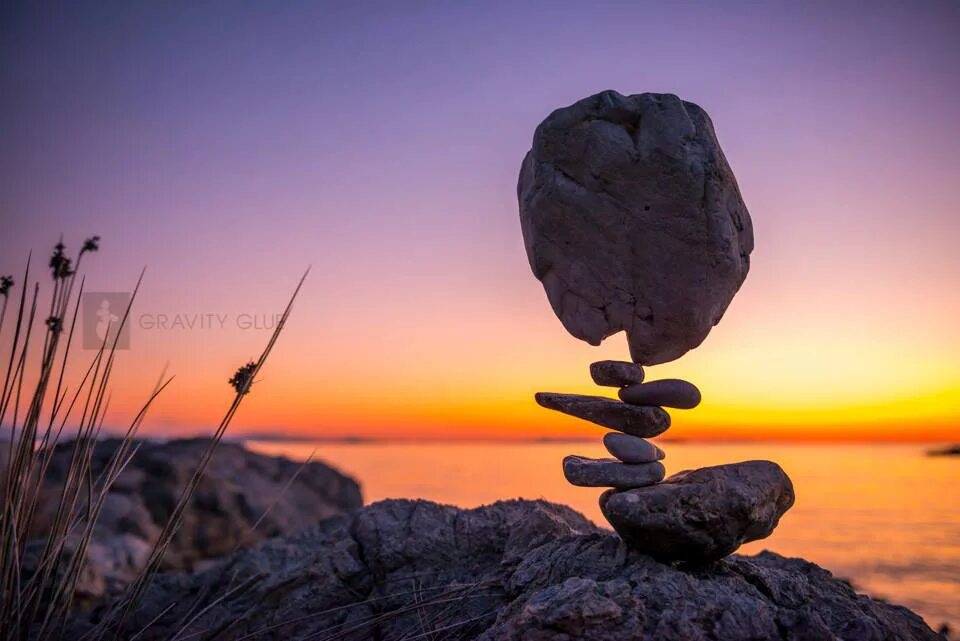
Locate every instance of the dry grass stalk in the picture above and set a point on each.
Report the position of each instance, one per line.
(37, 584)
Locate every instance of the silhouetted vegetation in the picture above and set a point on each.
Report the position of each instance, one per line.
(38, 582)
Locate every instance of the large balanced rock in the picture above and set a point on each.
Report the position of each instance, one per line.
(632, 220)
(239, 488)
(701, 515)
(516, 570)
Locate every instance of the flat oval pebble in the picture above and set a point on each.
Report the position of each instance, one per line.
(632, 449)
(616, 373)
(669, 392)
(588, 472)
(630, 419)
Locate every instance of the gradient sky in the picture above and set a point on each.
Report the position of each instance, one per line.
(229, 145)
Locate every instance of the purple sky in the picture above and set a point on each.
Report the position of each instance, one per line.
(229, 145)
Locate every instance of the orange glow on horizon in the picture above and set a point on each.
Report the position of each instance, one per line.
(756, 385)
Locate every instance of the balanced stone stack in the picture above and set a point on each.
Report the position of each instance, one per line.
(633, 221)
(696, 516)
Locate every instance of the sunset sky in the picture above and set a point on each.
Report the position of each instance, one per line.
(228, 146)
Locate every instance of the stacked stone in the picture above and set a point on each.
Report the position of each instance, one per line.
(640, 416)
(633, 221)
(696, 516)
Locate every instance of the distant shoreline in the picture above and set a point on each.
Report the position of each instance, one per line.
(938, 447)
(949, 450)
(367, 440)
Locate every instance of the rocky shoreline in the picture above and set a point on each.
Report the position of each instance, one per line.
(530, 570)
(240, 489)
(949, 450)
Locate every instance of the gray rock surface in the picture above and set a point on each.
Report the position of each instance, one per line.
(516, 570)
(632, 449)
(630, 419)
(238, 488)
(667, 392)
(701, 515)
(588, 472)
(632, 220)
(615, 373)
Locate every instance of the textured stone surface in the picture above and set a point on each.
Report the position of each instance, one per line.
(588, 472)
(632, 449)
(630, 419)
(616, 373)
(632, 220)
(238, 487)
(668, 392)
(701, 515)
(512, 571)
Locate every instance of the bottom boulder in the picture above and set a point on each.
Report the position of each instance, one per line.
(514, 570)
(701, 515)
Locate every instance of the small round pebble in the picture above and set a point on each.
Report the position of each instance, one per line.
(668, 392)
(616, 373)
(632, 449)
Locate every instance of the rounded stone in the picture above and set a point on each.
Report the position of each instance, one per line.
(701, 515)
(588, 472)
(616, 373)
(668, 392)
(632, 449)
(633, 221)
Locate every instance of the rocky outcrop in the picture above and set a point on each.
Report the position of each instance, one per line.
(633, 221)
(514, 570)
(239, 488)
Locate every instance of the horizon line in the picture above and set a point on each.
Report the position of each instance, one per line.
(547, 440)
(789, 437)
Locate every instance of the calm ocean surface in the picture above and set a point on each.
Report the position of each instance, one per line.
(885, 517)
